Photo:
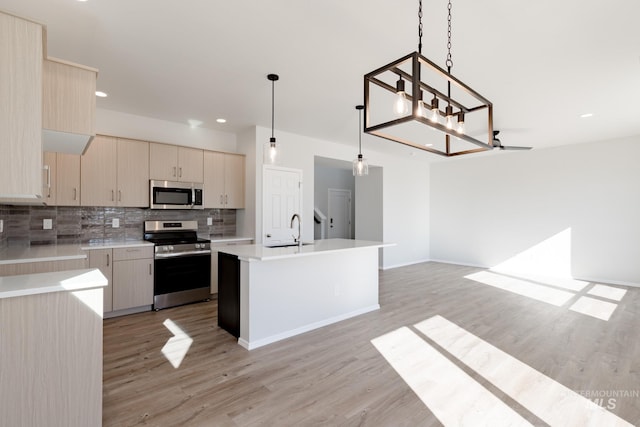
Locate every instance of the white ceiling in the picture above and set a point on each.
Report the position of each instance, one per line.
(541, 63)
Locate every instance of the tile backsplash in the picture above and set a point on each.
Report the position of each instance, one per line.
(23, 225)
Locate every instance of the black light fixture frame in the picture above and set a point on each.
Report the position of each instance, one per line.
(417, 60)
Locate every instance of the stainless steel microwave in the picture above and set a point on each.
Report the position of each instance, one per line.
(175, 195)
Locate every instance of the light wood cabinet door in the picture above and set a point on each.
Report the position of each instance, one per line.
(103, 260)
(163, 162)
(133, 173)
(98, 173)
(20, 107)
(69, 99)
(234, 181)
(190, 164)
(132, 283)
(49, 166)
(213, 180)
(67, 179)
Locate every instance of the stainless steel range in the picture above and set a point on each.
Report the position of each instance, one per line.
(182, 263)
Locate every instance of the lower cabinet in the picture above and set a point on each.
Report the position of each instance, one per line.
(130, 274)
(214, 259)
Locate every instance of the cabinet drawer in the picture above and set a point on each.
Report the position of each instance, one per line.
(122, 254)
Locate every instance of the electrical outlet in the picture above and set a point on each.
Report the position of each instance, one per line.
(47, 224)
(209, 221)
(1, 225)
(115, 223)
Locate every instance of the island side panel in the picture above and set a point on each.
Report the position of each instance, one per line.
(51, 364)
(285, 297)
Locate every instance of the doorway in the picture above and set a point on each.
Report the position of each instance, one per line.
(282, 190)
(339, 206)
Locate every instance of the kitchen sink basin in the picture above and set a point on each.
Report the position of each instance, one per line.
(287, 244)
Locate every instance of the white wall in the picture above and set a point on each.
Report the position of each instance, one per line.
(405, 191)
(578, 205)
(125, 125)
(369, 217)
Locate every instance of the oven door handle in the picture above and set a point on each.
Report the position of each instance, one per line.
(182, 254)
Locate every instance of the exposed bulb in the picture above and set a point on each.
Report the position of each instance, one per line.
(360, 166)
(435, 111)
(460, 128)
(449, 113)
(272, 151)
(402, 104)
(422, 109)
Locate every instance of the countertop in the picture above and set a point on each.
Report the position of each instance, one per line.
(41, 253)
(59, 281)
(262, 253)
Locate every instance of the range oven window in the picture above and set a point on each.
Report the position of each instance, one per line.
(182, 273)
(172, 196)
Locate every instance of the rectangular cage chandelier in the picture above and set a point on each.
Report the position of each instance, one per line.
(414, 102)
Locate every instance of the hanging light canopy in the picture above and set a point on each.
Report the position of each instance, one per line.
(271, 151)
(360, 166)
(412, 96)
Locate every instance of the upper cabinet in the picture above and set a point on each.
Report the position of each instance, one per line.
(69, 104)
(21, 53)
(223, 180)
(173, 163)
(115, 172)
(62, 180)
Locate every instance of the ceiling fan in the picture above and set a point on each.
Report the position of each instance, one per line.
(498, 145)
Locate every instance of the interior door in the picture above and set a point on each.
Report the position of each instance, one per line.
(339, 214)
(281, 199)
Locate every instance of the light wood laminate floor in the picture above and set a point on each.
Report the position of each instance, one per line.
(336, 376)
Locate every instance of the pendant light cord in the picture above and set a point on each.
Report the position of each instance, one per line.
(449, 61)
(273, 92)
(360, 132)
(420, 27)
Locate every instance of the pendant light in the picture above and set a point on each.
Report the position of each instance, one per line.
(360, 166)
(270, 150)
(424, 93)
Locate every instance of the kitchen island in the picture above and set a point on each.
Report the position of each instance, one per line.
(269, 294)
(51, 342)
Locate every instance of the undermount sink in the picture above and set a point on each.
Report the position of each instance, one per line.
(286, 244)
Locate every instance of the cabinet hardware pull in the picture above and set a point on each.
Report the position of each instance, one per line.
(107, 260)
(221, 202)
(48, 180)
(113, 196)
(174, 171)
(119, 195)
(226, 199)
(75, 193)
(150, 270)
(180, 172)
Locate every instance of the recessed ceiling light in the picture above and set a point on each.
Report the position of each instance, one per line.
(100, 94)
(428, 145)
(585, 115)
(221, 120)
(194, 123)
(81, 0)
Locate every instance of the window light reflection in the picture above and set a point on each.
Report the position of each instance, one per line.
(177, 346)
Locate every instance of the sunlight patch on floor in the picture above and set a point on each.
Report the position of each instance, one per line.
(608, 292)
(525, 288)
(594, 307)
(453, 396)
(177, 346)
(549, 400)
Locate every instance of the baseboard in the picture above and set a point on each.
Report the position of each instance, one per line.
(406, 264)
(251, 345)
(584, 279)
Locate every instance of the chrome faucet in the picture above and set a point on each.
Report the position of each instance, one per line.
(298, 239)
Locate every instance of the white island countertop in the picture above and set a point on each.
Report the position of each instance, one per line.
(263, 253)
(59, 281)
